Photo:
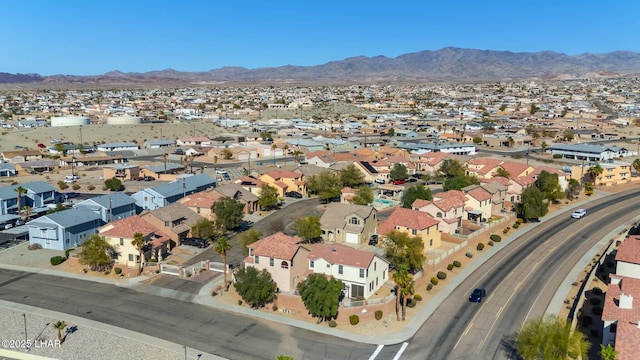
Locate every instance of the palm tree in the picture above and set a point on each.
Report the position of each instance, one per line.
(222, 248)
(405, 285)
(608, 352)
(215, 162)
(164, 158)
(191, 157)
(21, 191)
(636, 166)
(273, 150)
(138, 242)
(59, 325)
(27, 212)
(595, 171)
(285, 149)
(544, 146)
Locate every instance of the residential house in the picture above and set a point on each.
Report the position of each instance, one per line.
(362, 272)
(117, 146)
(613, 172)
(369, 172)
(478, 204)
(516, 169)
(563, 177)
(175, 220)
(20, 156)
(121, 233)
(167, 172)
(194, 141)
(64, 229)
(348, 223)
(7, 170)
(110, 207)
(429, 162)
(588, 152)
(499, 193)
(346, 195)
(239, 193)
(413, 223)
(123, 172)
(516, 187)
(163, 195)
(37, 167)
(250, 184)
(201, 203)
(282, 256)
(482, 168)
(38, 194)
(285, 181)
(446, 207)
(158, 144)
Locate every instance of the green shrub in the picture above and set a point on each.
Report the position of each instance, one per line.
(56, 260)
(495, 237)
(430, 286)
(441, 275)
(435, 280)
(153, 260)
(91, 187)
(117, 270)
(239, 302)
(515, 225)
(75, 187)
(506, 230)
(411, 303)
(490, 243)
(480, 246)
(378, 314)
(557, 156)
(450, 267)
(457, 263)
(354, 319)
(274, 308)
(333, 323)
(107, 272)
(67, 252)
(520, 220)
(417, 297)
(469, 255)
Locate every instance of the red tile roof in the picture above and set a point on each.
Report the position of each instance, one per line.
(201, 199)
(418, 203)
(627, 340)
(343, 255)
(128, 227)
(278, 246)
(629, 250)
(479, 194)
(412, 219)
(283, 174)
(515, 168)
(612, 311)
(447, 200)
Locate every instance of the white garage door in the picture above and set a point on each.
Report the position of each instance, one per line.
(352, 238)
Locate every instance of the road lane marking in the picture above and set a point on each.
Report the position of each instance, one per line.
(464, 333)
(375, 353)
(404, 346)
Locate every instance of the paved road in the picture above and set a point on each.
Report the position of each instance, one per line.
(210, 330)
(521, 280)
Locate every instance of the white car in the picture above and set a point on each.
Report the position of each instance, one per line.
(579, 213)
(221, 171)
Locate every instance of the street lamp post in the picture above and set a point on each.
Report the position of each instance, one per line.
(73, 164)
(25, 329)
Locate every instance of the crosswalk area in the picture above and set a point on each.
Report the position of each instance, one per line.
(389, 352)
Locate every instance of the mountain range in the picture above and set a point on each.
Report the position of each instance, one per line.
(444, 65)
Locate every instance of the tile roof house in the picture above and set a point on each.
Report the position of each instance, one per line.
(362, 272)
(250, 184)
(478, 204)
(110, 207)
(285, 181)
(201, 203)
(120, 233)
(20, 156)
(346, 195)
(516, 169)
(621, 316)
(348, 223)
(64, 229)
(429, 162)
(239, 193)
(498, 193)
(446, 207)
(282, 256)
(628, 258)
(175, 220)
(413, 223)
(482, 167)
(163, 195)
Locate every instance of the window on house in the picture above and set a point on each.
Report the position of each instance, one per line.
(166, 224)
(284, 265)
(431, 243)
(354, 221)
(121, 241)
(130, 257)
(384, 275)
(376, 281)
(311, 263)
(414, 232)
(256, 259)
(439, 215)
(270, 261)
(250, 252)
(198, 210)
(374, 266)
(340, 269)
(361, 273)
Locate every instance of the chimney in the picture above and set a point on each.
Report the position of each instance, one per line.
(626, 301)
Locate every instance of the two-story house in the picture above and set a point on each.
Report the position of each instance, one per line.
(120, 234)
(285, 181)
(110, 207)
(282, 256)
(38, 194)
(478, 204)
(163, 195)
(447, 208)
(413, 223)
(64, 229)
(362, 272)
(348, 223)
(498, 193)
(175, 220)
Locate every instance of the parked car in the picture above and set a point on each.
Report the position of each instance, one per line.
(197, 242)
(138, 178)
(412, 180)
(71, 194)
(373, 240)
(179, 151)
(293, 194)
(398, 182)
(221, 171)
(148, 178)
(226, 177)
(477, 295)
(42, 146)
(379, 181)
(579, 213)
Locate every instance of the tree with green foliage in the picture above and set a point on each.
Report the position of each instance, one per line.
(222, 247)
(533, 205)
(402, 249)
(139, 242)
(608, 352)
(503, 107)
(636, 166)
(573, 189)
(551, 338)
(391, 132)
(227, 154)
(59, 326)
(247, 238)
(268, 196)
(284, 357)
(351, 176)
(398, 172)
(113, 184)
(321, 296)
(256, 288)
(229, 212)
(477, 140)
(96, 253)
(405, 288)
(364, 196)
(452, 168)
(568, 135)
(413, 193)
(19, 191)
(594, 172)
(326, 185)
(549, 186)
(307, 228)
(502, 172)
(459, 182)
(206, 229)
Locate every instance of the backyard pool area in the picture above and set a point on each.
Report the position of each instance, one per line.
(384, 203)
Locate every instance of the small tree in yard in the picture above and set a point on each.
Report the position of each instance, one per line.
(533, 204)
(268, 196)
(364, 196)
(229, 212)
(415, 192)
(113, 184)
(96, 253)
(321, 296)
(402, 249)
(405, 288)
(207, 229)
(256, 288)
(308, 228)
(138, 242)
(59, 326)
(221, 248)
(249, 237)
(398, 172)
(351, 176)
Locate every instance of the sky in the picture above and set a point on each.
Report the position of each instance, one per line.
(97, 36)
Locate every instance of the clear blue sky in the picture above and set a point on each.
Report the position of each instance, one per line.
(93, 37)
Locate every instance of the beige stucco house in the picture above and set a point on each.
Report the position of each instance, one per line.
(348, 223)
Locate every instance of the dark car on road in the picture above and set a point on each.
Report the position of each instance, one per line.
(477, 295)
(373, 240)
(197, 242)
(148, 178)
(293, 194)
